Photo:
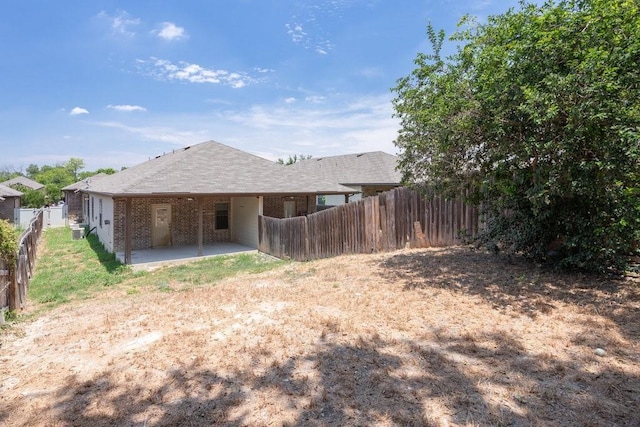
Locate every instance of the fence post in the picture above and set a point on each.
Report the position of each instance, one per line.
(14, 293)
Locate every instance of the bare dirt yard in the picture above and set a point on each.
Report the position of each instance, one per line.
(436, 337)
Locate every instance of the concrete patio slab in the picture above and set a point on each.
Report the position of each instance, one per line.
(150, 259)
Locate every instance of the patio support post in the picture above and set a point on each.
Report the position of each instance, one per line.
(128, 224)
(200, 226)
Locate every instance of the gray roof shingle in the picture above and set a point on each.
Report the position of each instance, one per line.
(372, 168)
(9, 192)
(85, 183)
(24, 181)
(212, 168)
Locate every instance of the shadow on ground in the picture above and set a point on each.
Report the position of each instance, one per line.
(107, 259)
(481, 379)
(360, 384)
(517, 284)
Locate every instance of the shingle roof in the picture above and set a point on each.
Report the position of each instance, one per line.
(211, 168)
(373, 168)
(24, 181)
(85, 183)
(9, 192)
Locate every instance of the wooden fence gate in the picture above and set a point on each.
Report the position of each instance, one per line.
(389, 221)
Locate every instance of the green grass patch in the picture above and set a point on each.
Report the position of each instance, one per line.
(69, 270)
(209, 270)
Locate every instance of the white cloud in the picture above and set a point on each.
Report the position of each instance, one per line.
(299, 36)
(170, 31)
(76, 111)
(315, 99)
(126, 108)
(290, 100)
(339, 125)
(120, 23)
(158, 133)
(308, 24)
(218, 101)
(371, 72)
(321, 130)
(296, 32)
(162, 69)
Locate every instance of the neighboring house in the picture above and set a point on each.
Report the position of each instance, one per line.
(197, 195)
(367, 174)
(9, 202)
(77, 202)
(22, 182)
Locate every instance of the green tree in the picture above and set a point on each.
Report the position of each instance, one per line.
(87, 174)
(32, 198)
(74, 165)
(32, 170)
(7, 173)
(54, 179)
(291, 160)
(537, 116)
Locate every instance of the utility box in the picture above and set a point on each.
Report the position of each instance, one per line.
(76, 233)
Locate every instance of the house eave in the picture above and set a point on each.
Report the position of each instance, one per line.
(221, 194)
(363, 184)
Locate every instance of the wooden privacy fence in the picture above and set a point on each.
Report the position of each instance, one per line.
(391, 220)
(15, 276)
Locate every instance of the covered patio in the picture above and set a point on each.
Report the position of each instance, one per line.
(150, 259)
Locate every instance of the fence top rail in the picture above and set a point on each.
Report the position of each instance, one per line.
(30, 227)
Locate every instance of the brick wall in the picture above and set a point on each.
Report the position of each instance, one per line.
(74, 205)
(7, 207)
(184, 222)
(274, 205)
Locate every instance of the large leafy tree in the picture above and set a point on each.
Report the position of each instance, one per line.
(32, 198)
(537, 116)
(74, 165)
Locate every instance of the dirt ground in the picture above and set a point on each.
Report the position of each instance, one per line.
(436, 337)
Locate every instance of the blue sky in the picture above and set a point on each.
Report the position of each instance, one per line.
(116, 82)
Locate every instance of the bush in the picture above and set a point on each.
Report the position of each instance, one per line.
(538, 117)
(8, 242)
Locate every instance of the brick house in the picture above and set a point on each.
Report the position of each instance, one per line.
(367, 174)
(76, 202)
(9, 201)
(197, 195)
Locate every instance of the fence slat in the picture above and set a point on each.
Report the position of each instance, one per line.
(385, 222)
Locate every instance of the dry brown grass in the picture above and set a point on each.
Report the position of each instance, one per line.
(416, 337)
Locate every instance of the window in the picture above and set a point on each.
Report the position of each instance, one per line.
(93, 211)
(289, 209)
(100, 211)
(222, 216)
